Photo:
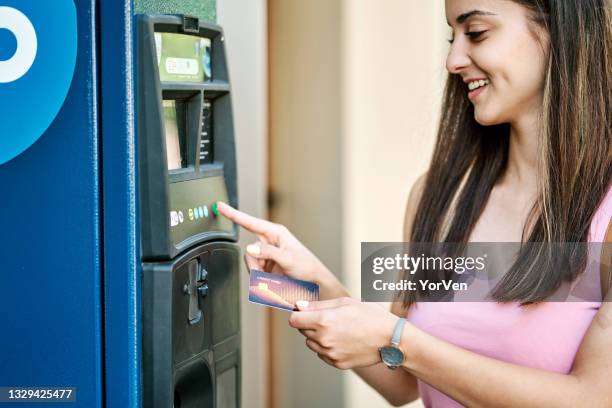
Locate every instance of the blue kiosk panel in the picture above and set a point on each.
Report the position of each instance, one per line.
(50, 256)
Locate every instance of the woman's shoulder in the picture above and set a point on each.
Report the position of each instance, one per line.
(600, 232)
(414, 197)
(601, 218)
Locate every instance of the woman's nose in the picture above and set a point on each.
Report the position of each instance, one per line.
(457, 59)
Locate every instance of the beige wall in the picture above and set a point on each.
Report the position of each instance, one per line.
(245, 25)
(305, 77)
(355, 92)
(355, 87)
(393, 72)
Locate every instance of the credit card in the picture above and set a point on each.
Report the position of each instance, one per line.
(280, 291)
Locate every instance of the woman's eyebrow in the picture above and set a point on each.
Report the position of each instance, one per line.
(463, 17)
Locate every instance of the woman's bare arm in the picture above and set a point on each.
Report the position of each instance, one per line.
(399, 387)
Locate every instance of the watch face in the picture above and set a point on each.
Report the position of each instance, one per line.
(391, 356)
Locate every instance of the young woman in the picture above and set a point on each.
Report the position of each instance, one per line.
(523, 154)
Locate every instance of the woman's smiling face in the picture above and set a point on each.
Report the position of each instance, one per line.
(501, 55)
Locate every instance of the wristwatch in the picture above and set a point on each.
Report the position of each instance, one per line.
(391, 355)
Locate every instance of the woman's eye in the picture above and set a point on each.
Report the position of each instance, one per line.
(474, 35)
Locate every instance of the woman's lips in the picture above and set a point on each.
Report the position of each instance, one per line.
(476, 92)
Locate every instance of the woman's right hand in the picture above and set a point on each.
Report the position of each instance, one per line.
(277, 250)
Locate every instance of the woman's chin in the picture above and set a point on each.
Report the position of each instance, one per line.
(486, 119)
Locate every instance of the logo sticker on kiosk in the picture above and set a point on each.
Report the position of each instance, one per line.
(38, 54)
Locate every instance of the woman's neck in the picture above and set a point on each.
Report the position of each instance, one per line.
(523, 152)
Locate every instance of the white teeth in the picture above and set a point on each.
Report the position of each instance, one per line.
(477, 84)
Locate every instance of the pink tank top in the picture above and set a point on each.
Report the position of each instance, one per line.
(546, 336)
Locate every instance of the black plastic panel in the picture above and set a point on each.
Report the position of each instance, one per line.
(224, 286)
(178, 351)
(155, 180)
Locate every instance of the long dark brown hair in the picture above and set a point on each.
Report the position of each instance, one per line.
(575, 158)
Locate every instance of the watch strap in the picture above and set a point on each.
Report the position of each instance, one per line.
(397, 332)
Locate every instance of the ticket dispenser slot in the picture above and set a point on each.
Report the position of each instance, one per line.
(190, 259)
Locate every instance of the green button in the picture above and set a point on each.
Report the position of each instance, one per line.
(215, 210)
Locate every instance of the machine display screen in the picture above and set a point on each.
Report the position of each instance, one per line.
(183, 58)
(174, 131)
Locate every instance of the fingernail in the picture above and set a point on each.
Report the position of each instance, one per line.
(253, 249)
(302, 304)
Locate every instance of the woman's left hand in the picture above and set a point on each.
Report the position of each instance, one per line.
(344, 332)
